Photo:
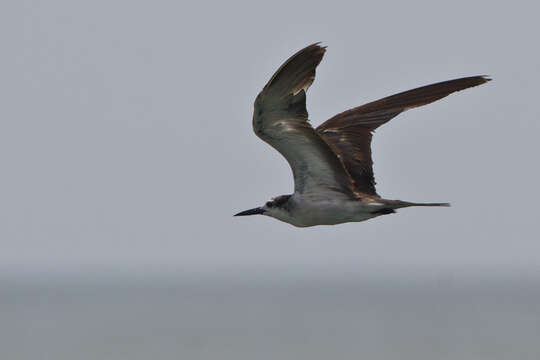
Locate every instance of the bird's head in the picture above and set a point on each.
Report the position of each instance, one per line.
(276, 208)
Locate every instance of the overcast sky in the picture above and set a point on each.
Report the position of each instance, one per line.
(126, 140)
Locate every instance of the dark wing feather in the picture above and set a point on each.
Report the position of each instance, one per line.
(349, 133)
(280, 119)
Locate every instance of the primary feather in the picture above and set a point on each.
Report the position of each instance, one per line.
(349, 133)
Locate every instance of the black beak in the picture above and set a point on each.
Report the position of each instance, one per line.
(255, 211)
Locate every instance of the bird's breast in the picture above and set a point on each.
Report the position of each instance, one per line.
(330, 212)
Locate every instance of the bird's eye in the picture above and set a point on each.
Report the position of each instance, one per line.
(269, 204)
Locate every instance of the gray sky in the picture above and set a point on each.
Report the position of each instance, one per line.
(126, 138)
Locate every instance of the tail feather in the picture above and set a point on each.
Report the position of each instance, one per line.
(397, 204)
(430, 204)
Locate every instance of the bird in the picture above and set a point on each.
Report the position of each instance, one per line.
(332, 165)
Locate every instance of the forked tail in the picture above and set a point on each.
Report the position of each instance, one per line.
(398, 204)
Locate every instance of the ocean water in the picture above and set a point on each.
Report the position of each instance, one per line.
(269, 319)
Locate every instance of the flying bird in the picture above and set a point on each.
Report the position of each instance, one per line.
(331, 164)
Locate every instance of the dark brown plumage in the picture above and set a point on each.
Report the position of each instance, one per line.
(349, 133)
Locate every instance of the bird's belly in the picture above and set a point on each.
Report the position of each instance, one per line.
(332, 213)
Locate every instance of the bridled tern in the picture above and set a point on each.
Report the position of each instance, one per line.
(331, 164)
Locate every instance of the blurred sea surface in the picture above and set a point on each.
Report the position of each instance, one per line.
(249, 318)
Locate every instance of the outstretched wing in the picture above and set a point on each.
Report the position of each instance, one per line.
(280, 118)
(349, 133)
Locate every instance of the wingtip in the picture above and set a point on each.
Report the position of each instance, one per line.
(486, 78)
(297, 72)
(473, 80)
(316, 45)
